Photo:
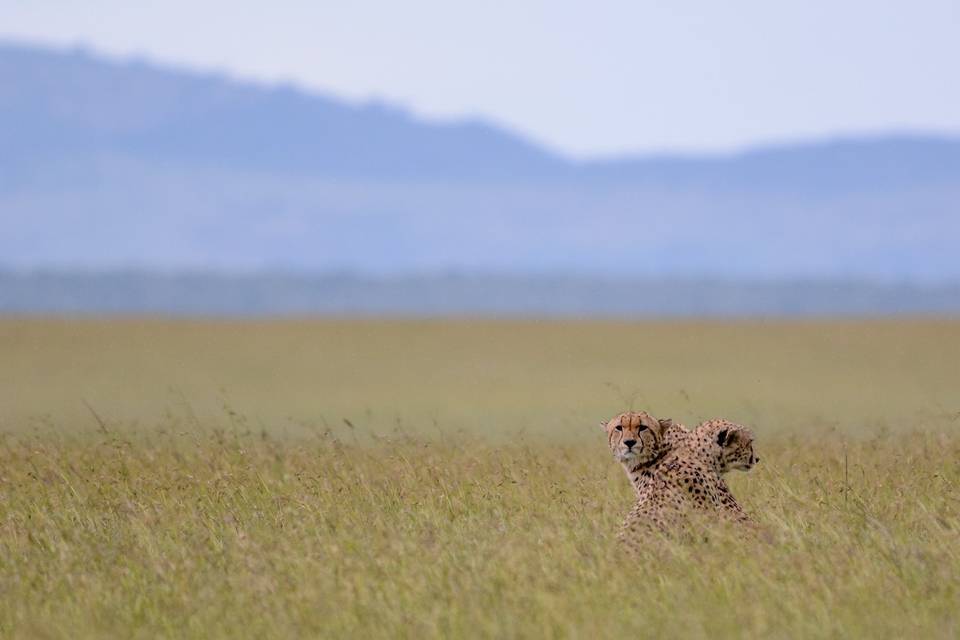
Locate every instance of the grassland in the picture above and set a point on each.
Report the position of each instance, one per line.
(418, 479)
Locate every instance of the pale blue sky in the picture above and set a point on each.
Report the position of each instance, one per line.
(585, 78)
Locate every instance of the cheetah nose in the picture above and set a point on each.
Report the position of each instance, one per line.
(629, 443)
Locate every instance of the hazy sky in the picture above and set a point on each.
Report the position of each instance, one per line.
(586, 78)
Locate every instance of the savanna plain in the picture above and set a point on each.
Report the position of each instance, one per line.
(448, 478)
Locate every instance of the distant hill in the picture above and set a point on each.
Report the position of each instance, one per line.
(107, 165)
(55, 103)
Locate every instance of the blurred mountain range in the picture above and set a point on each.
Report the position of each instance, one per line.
(109, 165)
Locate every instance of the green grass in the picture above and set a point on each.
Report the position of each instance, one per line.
(223, 495)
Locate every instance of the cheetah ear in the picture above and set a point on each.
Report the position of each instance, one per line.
(603, 425)
(665, 423)
(727, 437)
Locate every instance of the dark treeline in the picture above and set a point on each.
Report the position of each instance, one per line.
(131, 292)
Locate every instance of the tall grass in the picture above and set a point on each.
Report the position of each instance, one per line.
(166, 533)
(448, 479)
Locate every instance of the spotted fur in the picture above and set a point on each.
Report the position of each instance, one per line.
(728, 444)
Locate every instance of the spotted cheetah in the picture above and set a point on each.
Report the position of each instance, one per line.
(677, 472)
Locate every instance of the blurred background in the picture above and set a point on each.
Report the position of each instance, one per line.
(525, 158)
(310, 311)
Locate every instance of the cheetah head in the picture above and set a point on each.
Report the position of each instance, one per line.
(736, 448)
(636, 437)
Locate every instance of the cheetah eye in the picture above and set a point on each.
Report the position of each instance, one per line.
(618, 428)
(643, 427)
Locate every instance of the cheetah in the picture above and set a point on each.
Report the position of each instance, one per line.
(677, 472)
